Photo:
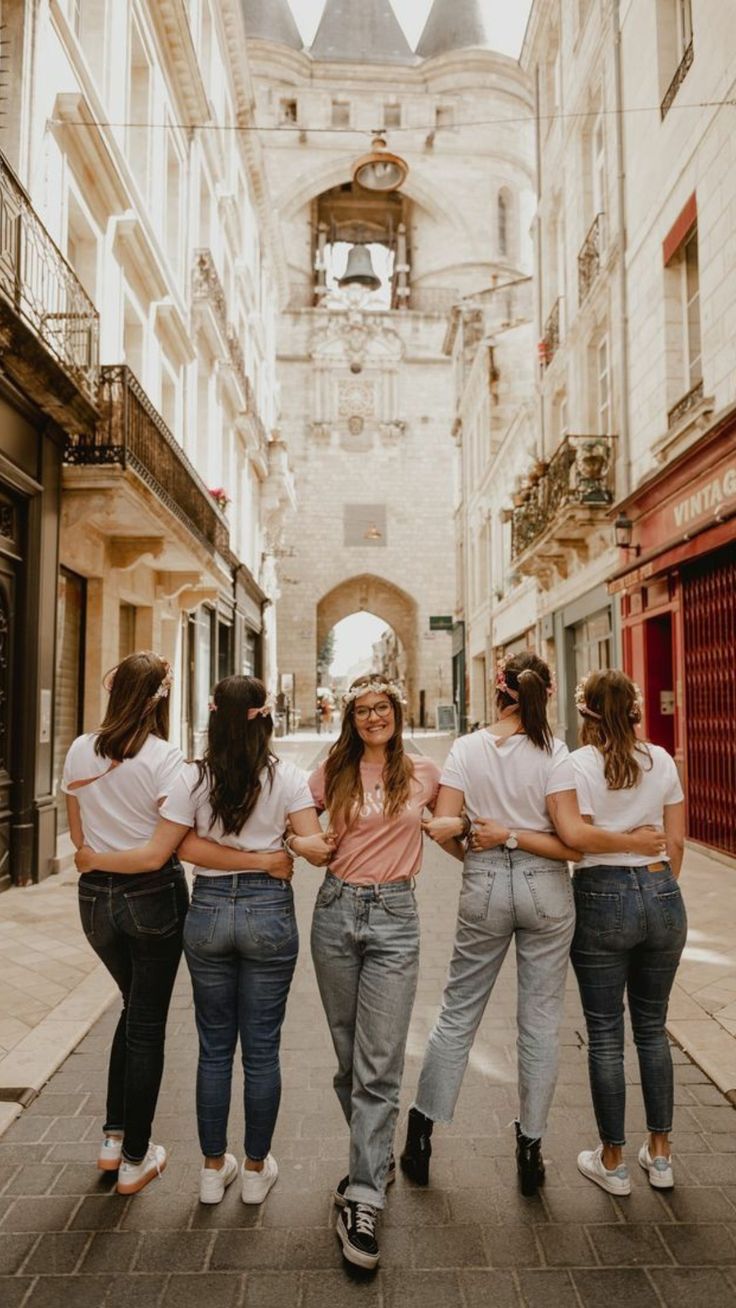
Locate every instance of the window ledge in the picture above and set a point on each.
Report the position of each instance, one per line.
(684, 431)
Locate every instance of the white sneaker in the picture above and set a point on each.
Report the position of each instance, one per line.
(213, 1181)
(590, 1163)
(256, 1185)
(659, 1169)
(133, 1176)
(111, 1151)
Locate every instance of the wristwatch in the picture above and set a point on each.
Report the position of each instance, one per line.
(512, 840)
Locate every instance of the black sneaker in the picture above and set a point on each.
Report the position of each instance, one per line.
(529, 1163)
(418, 1147)
(338, 1193)
(356, 1229)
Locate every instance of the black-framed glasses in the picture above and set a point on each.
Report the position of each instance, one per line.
(382, 710)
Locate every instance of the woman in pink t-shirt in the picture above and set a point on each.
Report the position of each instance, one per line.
(365, 936)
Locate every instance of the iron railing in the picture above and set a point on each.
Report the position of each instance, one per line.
(44, 289)
(132, 433)
(685, 404)
(207, 287)
(551, 337)
(681, 73)
(589, 258)
(579, 473)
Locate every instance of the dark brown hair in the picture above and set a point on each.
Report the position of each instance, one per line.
(133, 711)
(343, 786)
(528, 678)
(614, 700)
(237, 753)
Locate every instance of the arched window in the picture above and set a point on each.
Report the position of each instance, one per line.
(503, 217)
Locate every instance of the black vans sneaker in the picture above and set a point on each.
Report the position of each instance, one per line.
(356, 1229)
(338, 1193)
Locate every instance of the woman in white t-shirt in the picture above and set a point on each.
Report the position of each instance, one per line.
(631, 925)
(240, 939)
(516, 785)
(114, 780)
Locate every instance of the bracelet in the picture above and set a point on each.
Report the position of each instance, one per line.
(467, 827)
(286, 842)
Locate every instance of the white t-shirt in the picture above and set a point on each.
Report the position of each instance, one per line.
(622, 810)
(121, 808)
(508, 779)
(189, 804)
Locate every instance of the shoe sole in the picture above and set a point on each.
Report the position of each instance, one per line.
(603, 1184)
(144, 1181)
(341, 1201)
(656, 1184)
(354, 1256)
(108, 1164)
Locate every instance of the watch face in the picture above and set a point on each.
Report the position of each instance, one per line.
(512, 843)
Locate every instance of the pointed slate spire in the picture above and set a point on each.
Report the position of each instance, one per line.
(361, 31)
(272, 20)
(453, 25)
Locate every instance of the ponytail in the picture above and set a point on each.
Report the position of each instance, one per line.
(524, 680)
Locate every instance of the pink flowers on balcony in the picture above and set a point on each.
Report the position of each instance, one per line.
(220, 496)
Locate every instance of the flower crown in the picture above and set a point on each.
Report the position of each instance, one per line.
(264, 710)
(389, 688)
(586, 711)
(161, 692)
(504, 688)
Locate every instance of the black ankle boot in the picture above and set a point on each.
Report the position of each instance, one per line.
(418, 1149)
(529, 1162)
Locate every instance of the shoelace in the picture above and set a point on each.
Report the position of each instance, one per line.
(365, 1219)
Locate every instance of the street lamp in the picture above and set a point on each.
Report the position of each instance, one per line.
(379, 170)
(623, 528)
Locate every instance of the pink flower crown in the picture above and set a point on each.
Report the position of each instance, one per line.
(505, 689)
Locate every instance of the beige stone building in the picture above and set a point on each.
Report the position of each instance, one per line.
(366, 382)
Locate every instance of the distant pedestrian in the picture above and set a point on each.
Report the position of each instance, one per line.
(365, 937)
(114, 780)
(513, 785)
(631, 926)
(240, 938)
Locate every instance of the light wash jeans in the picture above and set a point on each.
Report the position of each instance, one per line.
(365, 946)
(505, 894)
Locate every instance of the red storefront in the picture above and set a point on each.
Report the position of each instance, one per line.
(678, 609)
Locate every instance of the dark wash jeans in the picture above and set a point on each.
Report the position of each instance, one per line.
(630, 933)
(135, 924)
(241, 943)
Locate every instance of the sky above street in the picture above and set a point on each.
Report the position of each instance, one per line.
(507, 20)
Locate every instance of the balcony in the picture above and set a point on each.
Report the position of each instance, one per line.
(50, 325)
(681, 73)
(554, 511)
(132, 436)
(550, 342)
(685, 405)
(210, 302)
(589, 258)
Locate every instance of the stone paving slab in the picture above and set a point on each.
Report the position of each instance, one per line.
(468, 1240)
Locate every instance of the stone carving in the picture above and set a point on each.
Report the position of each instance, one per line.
(355, 398)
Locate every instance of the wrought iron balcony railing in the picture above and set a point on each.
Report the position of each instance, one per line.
(681, 72)
(551, 339)
(685, 404)
(578, 474)
(206, 285)
(44, 290)
(132, 433)
(589, 258)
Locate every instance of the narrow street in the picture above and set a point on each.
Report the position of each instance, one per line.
(469, 1239)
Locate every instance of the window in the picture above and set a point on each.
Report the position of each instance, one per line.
(88, 18)
(443, 115)
(603, 387)
(598, 161)
(288, 111)
(392, 115)
(173, 200)
(81, 247)
(674, 47)
(502, 218)
(684, 359)
(340, 113)
(126, 631)
(691, 305)
(133, 340)
(139, 98)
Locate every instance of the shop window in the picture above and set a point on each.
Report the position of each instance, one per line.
(674, 48)
(340, 116)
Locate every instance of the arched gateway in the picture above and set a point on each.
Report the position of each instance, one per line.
(390, 603)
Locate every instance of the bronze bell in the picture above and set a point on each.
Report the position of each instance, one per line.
(359, 270)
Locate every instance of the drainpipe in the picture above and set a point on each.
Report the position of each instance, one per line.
(625, 430)
(539, 253)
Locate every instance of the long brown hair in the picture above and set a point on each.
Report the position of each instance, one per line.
(343, 787)
(525, 681)
(238, 751)
(138, 706)
(610, 706)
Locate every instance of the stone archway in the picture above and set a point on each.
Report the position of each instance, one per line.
(388, 602)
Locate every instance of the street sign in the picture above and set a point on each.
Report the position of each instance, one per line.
(441, 622)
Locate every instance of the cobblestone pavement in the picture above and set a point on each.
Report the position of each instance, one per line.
(468, 1240)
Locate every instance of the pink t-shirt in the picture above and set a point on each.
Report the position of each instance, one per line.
(376, 848)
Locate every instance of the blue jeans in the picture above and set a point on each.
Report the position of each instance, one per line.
(134, 924)
(504, 896)
(630, 934)
(365, 946)
(241, 942)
